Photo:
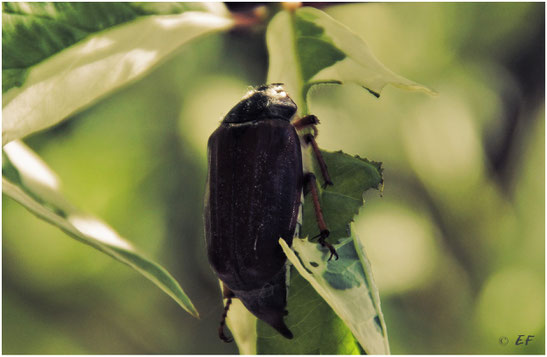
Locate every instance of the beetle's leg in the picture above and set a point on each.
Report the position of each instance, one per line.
(310, 139)
(307, 122)
(310, 181)
(228, 294)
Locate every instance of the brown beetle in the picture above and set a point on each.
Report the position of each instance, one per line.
(254, 187)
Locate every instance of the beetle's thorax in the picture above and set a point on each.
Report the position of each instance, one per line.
(265, 102)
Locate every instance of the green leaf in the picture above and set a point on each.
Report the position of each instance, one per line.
(316, 327)
(315, 49)
(14, 77)
(374, 338)
(166, 8)
(309, 47)
(59, 58)
(284, 61)
(27, 180)
(32, 32)
(346, 286)
(243, 326)
(341, 202)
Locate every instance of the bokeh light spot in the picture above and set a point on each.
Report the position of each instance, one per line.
(400, 246)
(512, 302)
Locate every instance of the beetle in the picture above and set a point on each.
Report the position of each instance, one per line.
(255, 184)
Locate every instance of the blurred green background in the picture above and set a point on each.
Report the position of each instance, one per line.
(456, 242)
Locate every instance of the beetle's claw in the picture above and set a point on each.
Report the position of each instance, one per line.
(332, 253)
(322, 236)
(326, 184)
(331, 249)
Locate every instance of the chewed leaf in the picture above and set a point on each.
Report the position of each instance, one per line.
(348, 277)
(27, 180)
(359, 64)
(340, 203)
(316, 327)
(309, 47)
(73, 62)
(345, 286)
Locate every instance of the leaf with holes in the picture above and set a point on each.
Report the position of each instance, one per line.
(347, 286)
(340, 202)
(309, 47)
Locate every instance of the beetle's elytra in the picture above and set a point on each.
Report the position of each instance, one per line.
(254, 188)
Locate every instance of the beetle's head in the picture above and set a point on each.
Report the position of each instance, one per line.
(265, 102)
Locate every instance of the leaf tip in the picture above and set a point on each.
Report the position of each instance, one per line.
(189, 307)
(415, 87)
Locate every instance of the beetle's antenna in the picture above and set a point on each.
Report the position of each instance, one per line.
(228, 294)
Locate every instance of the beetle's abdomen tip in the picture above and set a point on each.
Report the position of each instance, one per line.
(288, 334)
(276, 321)
(284, 330)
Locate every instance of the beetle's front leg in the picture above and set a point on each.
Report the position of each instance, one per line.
(310, 121)
(311, 183)
(307, 122)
